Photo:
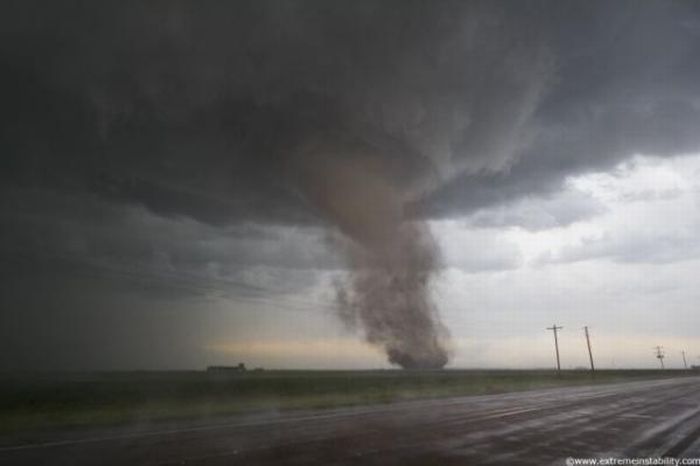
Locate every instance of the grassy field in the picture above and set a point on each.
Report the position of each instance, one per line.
(70, 400)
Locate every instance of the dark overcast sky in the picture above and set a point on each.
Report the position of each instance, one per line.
(155, 193)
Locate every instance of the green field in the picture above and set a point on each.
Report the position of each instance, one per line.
(74, 400)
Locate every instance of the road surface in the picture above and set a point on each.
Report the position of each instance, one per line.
(636, 419)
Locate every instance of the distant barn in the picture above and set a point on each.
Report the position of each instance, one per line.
(239, 368)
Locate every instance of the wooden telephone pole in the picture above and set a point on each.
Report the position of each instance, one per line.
(590, 352)
(554, 328)
(660, 355)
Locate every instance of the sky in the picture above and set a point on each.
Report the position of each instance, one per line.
(314, 184)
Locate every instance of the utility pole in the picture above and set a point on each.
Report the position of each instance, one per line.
(660, 355)
(685, 362)
(590, 352)
(554, 328)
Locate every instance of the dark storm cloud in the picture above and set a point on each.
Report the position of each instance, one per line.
(196, 109)
(628, 80)
(88, 235)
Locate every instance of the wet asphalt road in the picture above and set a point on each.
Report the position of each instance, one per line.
(650, 418)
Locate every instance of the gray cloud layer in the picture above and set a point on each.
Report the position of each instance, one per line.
(198, 110)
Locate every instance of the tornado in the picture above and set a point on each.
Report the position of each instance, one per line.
(391, 258)
(389, 298)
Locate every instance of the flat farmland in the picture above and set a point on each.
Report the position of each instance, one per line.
(48, 401)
